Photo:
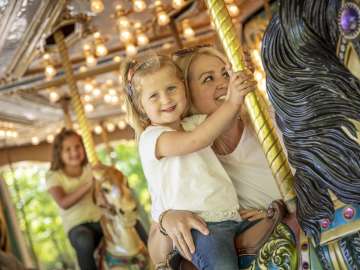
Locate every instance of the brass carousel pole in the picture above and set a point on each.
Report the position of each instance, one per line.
(259, 118)
(75, 99)
(64, 101)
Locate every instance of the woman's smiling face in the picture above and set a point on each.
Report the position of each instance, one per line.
(208, 83)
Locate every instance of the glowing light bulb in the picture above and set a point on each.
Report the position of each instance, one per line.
(98, 129)
(177, 4)
(163, 18)
(187, 30)
(233, 10)
(101, 50)
(89, 107)
(50, 71)
(131, 50)
(122, 124)
(53, 96)
(117, 59)
(107, 98)
(110, 126)
(97, 92)
(125, 35)
(112, 91)
(123, 22)
(91, 60)
(97, 6)
(142, 39)
(139, 5)
(50, 138)
(35, 140)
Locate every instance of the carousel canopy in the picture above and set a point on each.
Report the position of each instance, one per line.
(99, 34)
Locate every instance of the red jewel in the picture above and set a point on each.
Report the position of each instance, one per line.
(349, 213)
(325, 223)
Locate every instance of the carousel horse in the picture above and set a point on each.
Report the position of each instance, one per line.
(122, 247)
(311, 57)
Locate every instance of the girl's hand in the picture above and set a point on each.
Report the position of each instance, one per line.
(178, 225)
(241, 83)
(253, 214)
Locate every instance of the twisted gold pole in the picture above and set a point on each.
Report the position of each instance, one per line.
(262, 124)
(75, 99)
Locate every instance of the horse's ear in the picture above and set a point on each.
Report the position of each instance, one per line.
(98, 171)
(97, 196)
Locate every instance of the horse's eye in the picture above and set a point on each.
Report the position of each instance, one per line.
(105, 189)
(122, 212)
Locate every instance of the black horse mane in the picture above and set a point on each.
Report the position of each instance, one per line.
(315, 97)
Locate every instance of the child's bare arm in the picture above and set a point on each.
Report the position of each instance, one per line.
(175, 143)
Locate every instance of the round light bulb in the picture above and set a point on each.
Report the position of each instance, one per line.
(89, 107)
(97, 92)
(125, 36)
(53, 96)
(131, 50)
(233, 10)
(117, 59)
(110, 127)
(87, 98)
(50, 71)
(107, 98)
(91, 61)
(163, 18)
(35, 140)
(50, 138)
(123, 22)
(97, 6)
(142, 39)
(101, 50)
(122, 124)
(112, 91)
(189, 32)
(139, 5)
(114, 99)
(177, 4)
(98, 129)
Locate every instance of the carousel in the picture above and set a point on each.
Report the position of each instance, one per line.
(60, 65)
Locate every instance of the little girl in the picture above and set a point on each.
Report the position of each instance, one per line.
(181, 168)
(69, 182)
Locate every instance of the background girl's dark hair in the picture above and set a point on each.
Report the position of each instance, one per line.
(56, 161)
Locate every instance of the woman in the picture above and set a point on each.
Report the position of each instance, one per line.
(238, 149)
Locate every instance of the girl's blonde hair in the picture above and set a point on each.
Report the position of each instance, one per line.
(130, 72)
(56, 161)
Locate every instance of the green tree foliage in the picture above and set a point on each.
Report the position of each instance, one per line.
(38, 214)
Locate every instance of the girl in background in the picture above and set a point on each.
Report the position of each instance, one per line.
(70, 181)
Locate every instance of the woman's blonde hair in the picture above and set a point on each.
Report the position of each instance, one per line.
(185, 57)
(130, 71)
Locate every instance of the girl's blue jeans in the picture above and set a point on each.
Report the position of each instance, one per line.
(216, 251)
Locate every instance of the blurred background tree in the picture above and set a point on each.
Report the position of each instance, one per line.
(37, 212)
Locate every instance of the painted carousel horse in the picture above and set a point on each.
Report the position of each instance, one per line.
(122, 247)
(311, 56)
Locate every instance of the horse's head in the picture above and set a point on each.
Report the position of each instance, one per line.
(113, 194)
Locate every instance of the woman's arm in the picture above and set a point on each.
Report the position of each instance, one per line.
(67, 200)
